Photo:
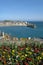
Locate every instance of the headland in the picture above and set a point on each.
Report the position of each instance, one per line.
(17, 23)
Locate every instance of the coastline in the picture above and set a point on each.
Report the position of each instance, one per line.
(5, 38)
(3, 24)
(13, 24)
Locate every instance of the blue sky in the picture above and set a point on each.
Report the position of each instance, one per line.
(21, 9)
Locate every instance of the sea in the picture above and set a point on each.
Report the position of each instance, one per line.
(24, 32)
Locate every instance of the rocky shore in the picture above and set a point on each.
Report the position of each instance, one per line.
(5, 38)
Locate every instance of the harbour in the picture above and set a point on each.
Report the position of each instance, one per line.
(21, 32)
(24, 31)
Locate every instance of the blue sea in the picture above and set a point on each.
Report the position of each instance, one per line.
(25, 32)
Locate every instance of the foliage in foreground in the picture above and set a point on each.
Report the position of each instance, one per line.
(28, 54)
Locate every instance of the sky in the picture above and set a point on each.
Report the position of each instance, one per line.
(21, 10)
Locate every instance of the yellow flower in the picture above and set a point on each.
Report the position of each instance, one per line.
(25, 55)
(13, 54)
(22, 55)
(4, 52)
(39, 57)
(16, 60)
(8, 56)
(13, 51)
(3, 56)
(30, 53)
(27, 49)
(42, 53)
(22, 58)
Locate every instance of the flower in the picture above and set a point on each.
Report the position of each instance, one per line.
(42, 53)
(25, 63)
(25, 55)
(36, 50)
(5, 63)
(16, 60)
(39, 57)
(19, 53)
(21, 49)
(22, 57)
(22, 54)
(3, 56)
(27, 48)
(8, 56)
(4, 52)
(13, 51)
(17, 56)
(29, 59)
(13, 54)
(30, 52)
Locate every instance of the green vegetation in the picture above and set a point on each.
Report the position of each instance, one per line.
(8, 21)
(27, 54)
